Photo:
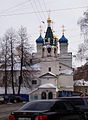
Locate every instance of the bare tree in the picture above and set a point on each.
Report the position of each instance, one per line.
(17, 49)
(11, 34)
(24, 50)
(5, 58)
(83, 47)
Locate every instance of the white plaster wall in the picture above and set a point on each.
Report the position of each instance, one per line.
(49, 80)
(66, 59)
(38, 93)
(53, 64)
(65, 80)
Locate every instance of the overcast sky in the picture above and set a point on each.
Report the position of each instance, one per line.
(14, 13)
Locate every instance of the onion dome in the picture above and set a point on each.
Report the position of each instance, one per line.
(40, 39)
(63, 39)
(49, 20)
(55, 37)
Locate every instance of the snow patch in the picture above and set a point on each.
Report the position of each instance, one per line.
(66, 71)
(81, 82)
(36, 66)
(47, 85)
(9, 90)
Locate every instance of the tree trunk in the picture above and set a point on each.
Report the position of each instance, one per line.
(5, 76)
(21, 70)
(12, 67)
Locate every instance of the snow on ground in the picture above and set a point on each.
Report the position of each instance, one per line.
(36, 66)
(9, 90)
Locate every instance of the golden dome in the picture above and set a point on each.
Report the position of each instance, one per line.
(49, 20)
(55, 37)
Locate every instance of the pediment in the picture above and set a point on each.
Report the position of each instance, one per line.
(48, 75)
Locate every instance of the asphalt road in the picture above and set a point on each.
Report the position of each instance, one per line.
(6, 109)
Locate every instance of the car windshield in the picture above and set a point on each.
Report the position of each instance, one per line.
(38, 106)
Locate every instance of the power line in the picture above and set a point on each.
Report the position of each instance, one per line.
(41, 19)
(38, 10)
(54, 10)
(18, 5)
(44, 5)
(41, 9)
(35, 12)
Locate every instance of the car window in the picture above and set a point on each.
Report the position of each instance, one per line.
(77, 102)
(38, 105)
(68, 106)
(74, 101)
(61, 106)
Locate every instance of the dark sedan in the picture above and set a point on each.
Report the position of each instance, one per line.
(54, 109)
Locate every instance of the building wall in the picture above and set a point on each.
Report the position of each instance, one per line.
(53, 64)
(66, 81)
(66, 59)
(49, 80)
(36, 95)
(81, 73)
(83, 89)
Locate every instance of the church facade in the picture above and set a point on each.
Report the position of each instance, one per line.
(54, 69)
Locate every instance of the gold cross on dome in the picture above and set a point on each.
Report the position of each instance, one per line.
(63, 30)
(49, 13)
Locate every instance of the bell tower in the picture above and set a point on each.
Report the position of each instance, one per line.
(50, 42)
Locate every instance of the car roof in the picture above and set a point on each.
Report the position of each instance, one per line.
(59, 98)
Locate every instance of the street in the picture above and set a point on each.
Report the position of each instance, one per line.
(6, 109)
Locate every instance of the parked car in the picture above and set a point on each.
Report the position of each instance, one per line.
(1, 99)
(16, 99)
(78, 102)
(53, 109)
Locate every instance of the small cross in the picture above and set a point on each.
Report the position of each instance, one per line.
(49, 13)
(63, 30)
(40, 29)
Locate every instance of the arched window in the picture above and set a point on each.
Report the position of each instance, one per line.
(49, 50)
(49, 69)
(55, 50)
(50, 95)
(43, 49)
(43, 95)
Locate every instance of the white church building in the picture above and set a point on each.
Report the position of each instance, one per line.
(55, 72)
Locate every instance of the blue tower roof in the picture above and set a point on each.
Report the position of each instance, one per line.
(63, 39)
(40, 39)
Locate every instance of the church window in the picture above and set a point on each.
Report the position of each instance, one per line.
(85, 90)
(34, 81)
(31, 61)
(59, 66)
(49, 50)
(54, 50)
(50, 95)
(43, 49)
(43, 95)
(46, 40)
(49, 69)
